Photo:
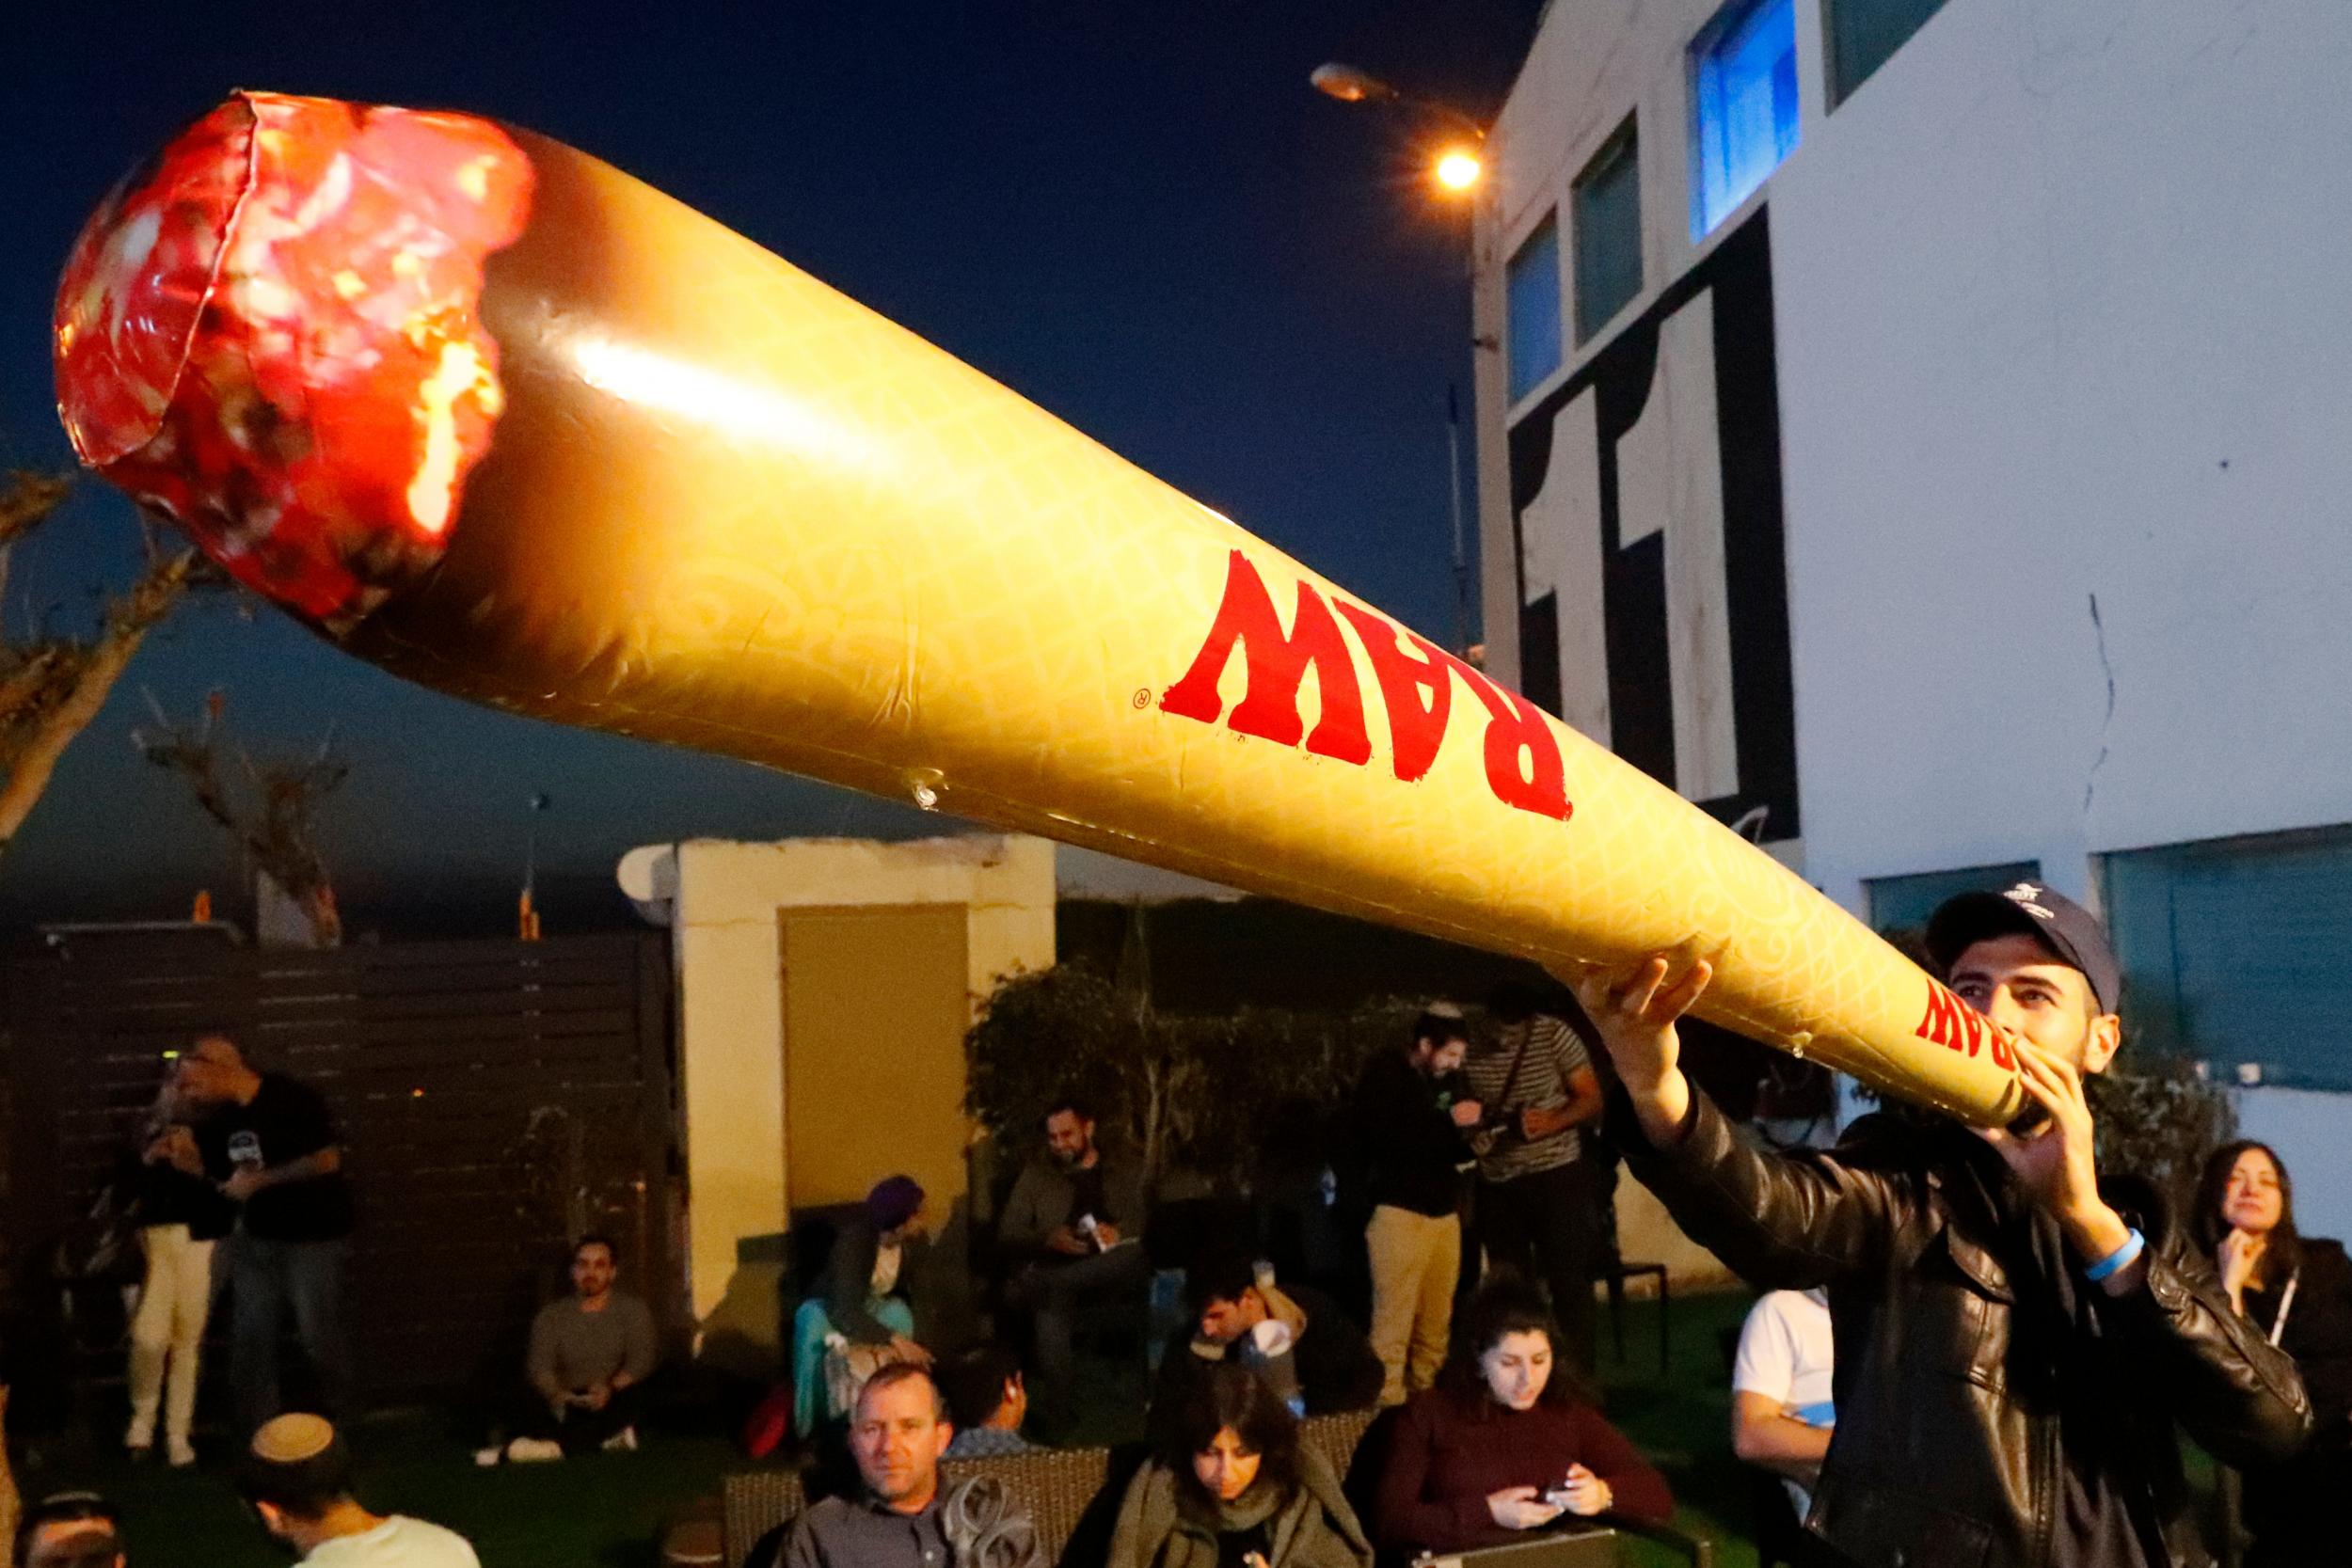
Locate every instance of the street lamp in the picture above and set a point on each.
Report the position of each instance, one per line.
(1459, 165)
(1460, 169)
(1349, 85)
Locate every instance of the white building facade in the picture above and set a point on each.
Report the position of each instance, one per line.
(1920, 432)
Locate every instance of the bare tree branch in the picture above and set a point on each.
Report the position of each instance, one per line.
(54, 690)
(26, 499)
(273, 819)
(52, 685)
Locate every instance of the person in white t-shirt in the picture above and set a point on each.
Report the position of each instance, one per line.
(1781, 1406)
(298, 1476)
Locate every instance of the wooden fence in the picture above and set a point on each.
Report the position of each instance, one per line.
(494, 1097)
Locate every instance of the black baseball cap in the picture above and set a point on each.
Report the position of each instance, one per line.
(2071, 933)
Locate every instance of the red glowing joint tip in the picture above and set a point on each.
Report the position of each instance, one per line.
(273, 335)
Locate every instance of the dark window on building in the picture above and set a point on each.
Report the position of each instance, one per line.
(1531, 302)
(1608, 232)
(2237, 952)
(1902, 904)
(1863, 33)
(1743, 105)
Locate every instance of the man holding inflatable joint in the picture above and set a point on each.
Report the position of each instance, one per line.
(2016, 1339)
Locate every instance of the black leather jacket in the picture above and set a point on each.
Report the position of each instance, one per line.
(1961, 1331)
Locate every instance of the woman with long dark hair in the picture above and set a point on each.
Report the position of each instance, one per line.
(1507, 1442)
(1232, 1488)
(2297, 1291)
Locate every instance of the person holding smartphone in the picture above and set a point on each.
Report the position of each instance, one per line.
(1233, 1488)
(1507, 1442)
(271, 1146)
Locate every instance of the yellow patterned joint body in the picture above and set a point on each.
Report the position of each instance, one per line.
(726, 507)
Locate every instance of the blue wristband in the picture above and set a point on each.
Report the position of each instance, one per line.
(2116, 1262)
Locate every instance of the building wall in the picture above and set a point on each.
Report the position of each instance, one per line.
(2062, 320)
(877, 1000)
(1589, 67)
(2059, 329)
(2058, 317)
(1631, 517)
(723, 901)
(2307, 1130)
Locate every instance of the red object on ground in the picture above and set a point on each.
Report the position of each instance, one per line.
(272, 334)
(770, 1422)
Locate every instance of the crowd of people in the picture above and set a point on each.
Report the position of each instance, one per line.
(1461, 1148)
(1508, 1440)
(1971, 1340)
(1974, 1339)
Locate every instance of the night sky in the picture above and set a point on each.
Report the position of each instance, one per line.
(1139, 217)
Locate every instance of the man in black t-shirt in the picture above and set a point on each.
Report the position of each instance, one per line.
(272, 1146)
(1410, 1122)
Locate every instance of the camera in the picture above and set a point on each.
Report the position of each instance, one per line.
(1495, 1123)
(1502, 1126)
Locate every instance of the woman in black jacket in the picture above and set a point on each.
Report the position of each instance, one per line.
(2297, 1291)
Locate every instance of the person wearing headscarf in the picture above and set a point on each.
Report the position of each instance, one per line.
(858, 1320)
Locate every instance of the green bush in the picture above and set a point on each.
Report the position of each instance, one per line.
(1201, 1096)
(2160, 1121)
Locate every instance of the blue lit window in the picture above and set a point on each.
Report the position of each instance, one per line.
(1744, 71)
(1531, 302)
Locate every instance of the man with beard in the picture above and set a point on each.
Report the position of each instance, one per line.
(1412, 1113)
(2018, 1339)
(1073, 1226)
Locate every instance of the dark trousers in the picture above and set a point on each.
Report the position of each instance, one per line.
(580, 1429)
(269, 1282)
(1049, 1292)
(1543, 1227)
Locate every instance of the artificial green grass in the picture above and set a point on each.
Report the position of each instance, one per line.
(603, 1511)
(608, 1511)
(1683, 1421)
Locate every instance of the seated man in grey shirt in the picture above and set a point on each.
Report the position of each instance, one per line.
(590, 1355)
(904, 1516)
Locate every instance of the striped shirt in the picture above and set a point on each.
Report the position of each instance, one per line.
(1555, 1057)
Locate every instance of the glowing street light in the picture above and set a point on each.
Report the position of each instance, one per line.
(1351, 85)
(1458, 168)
